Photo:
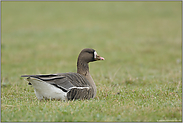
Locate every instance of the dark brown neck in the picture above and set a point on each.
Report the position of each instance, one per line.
(83, 69)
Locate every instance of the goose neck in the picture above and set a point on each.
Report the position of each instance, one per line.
(83, 69)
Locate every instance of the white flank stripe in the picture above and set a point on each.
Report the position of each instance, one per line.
(81, 88)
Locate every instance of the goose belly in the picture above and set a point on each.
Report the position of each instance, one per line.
(46, 90)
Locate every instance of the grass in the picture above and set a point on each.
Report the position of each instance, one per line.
(140, 79)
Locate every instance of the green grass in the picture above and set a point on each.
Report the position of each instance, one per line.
(140, 79)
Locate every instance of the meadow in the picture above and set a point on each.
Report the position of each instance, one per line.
(140, 79)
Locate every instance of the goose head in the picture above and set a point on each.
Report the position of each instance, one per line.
(89, 55)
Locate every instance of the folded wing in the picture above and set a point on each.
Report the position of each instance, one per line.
(76, 85)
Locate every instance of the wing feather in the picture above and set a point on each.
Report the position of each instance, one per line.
(63, 80)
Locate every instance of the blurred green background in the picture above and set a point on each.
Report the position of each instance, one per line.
(140, 41)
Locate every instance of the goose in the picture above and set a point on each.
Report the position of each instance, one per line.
(67, 86)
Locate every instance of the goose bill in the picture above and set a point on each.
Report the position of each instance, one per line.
(99, 57)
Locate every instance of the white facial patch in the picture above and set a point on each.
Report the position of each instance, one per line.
(95, 54)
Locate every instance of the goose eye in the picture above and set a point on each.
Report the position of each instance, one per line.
(95, 55)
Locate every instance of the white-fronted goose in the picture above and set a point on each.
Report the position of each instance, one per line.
(67, 86)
